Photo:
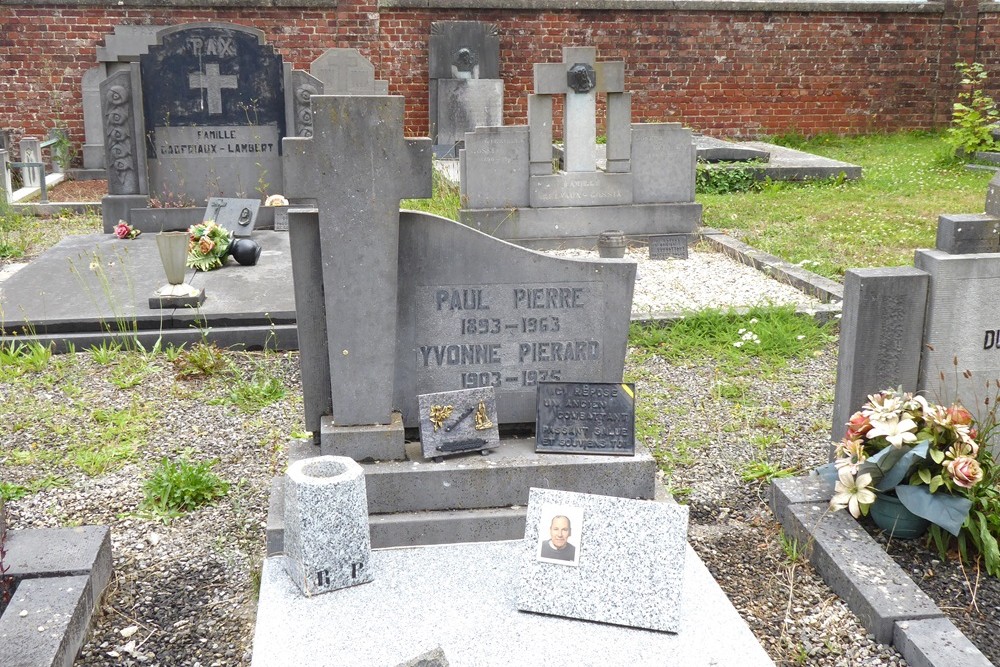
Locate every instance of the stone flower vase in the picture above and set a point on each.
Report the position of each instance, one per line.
(173, 248)
(892, 516)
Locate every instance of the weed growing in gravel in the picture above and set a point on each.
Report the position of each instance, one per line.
(19, 358)
(256, 393)
(764, 471)
(179, 486)
(105, 353)
(201, 360)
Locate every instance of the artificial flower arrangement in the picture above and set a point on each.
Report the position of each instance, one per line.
(123, 230)
(924, 453)
(207, 246)
(276, 200)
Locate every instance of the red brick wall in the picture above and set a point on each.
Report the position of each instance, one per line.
(727, 73)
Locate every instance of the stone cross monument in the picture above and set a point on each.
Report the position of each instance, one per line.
(356, 167)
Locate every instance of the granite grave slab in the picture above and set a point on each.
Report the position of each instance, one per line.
(630, 560)
(458, 586)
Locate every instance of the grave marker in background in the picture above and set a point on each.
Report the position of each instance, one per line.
(347, 72)
(646, 187)
(466, 90)
(214, 111)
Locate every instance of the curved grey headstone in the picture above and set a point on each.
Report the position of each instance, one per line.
(326, 524)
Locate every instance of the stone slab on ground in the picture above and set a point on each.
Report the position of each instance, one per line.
(60, 574)
(84, 283)
(461, 598)
(936, 642)
(857, 568)
(56, 612)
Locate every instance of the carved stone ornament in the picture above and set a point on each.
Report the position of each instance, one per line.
(581, 78)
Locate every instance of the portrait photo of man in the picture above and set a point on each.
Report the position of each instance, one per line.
(558, 542)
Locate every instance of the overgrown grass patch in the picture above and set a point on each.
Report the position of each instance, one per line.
(909, 179)
(445, 201)
(771, 334)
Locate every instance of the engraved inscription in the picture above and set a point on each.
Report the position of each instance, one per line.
(510, 337)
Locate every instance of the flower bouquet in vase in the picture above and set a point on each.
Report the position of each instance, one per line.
(902, 449)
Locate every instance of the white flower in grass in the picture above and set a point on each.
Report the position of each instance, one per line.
(894, 430)
(852, 493)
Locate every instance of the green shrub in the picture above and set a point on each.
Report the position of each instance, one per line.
(975, 112)
(723, 180)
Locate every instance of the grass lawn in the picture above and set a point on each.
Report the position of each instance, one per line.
(829, 227)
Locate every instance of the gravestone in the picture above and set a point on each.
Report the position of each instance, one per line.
(646, 185)
(880, 337)
(212, 102)
(629, 567)
(214, 111)
(347, 72)
(356, 146)
(465, 89)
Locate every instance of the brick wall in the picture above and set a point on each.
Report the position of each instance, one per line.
(726, 72)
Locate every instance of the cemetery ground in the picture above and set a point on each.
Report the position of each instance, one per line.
(81, 434)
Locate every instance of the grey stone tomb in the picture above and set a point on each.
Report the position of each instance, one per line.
(347, 72)
(465, 89)
(455, 422)
(880, 336)
(627, 566)
(646, 185)
(432, 305)
(327, 545)
(923, 327)
(201, 114)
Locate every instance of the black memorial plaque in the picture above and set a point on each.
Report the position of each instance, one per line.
(585, 418)
(668, 246)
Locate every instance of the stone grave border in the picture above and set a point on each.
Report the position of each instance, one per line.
(890, 606)
(62, 574)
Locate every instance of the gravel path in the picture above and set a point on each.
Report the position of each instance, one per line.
(182, 593)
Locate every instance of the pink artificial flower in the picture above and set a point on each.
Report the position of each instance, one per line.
(123, 230)
(965, 471)
(959, 415)
(206, 244)
(858, 425)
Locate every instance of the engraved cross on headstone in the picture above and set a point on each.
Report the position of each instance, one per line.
(212, 82)
(357, 166)
(579, 77)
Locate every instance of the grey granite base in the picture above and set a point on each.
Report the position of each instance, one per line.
(461, 598)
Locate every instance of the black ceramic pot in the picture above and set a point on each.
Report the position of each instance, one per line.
(245, 251)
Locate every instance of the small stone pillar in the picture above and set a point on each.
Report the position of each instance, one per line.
(327, 544)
